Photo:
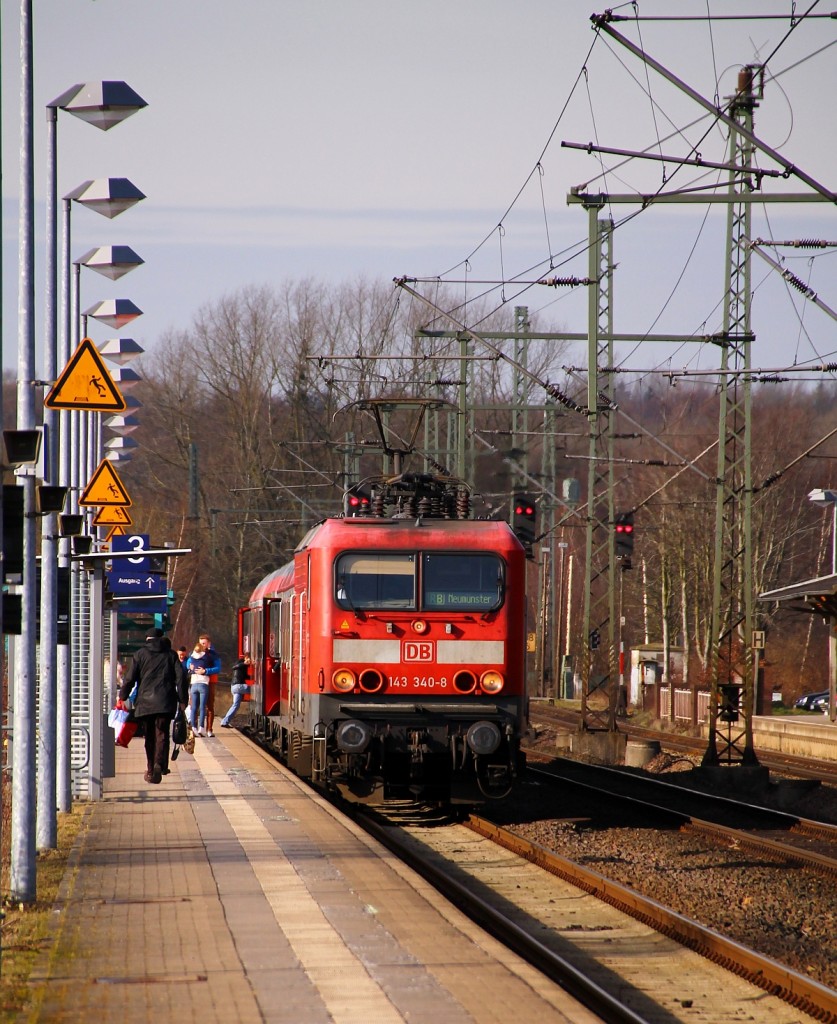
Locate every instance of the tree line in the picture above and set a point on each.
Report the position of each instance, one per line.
(253, 423)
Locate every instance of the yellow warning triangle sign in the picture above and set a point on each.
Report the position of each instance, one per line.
(86, 383)
(116, 514)
(115, 531)
(105, 487)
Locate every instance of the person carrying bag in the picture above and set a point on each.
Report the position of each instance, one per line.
(161, 689)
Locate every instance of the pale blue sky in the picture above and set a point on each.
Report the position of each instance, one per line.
(297, 138)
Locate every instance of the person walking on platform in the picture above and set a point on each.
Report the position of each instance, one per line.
(182, 655)
(213, 671)
(161, 688)
(238, 689)
(199, 664)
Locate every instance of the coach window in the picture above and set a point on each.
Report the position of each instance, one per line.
(376, 581)
(274, 635)
(462, 582)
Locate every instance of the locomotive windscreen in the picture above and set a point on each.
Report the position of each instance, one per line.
(456, 582)
(449, 582)
(376, 581)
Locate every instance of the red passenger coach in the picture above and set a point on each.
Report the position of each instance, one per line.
(388, 658)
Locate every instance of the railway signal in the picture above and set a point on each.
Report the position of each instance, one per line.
(730, 702)
(524, 516)
(357, 502)
(624, 527)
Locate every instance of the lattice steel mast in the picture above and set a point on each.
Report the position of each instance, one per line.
(733, 684)
(598, 672)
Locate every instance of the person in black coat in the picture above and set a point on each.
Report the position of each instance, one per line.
(161, 688)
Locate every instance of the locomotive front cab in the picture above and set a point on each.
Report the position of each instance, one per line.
(426, 677)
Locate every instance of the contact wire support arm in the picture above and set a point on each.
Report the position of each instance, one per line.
(551, 389)
(602, 22)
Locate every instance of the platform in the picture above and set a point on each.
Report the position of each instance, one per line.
(796, 735)
(231, 893)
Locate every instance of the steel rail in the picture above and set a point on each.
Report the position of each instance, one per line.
(810, 996)
(556, 968)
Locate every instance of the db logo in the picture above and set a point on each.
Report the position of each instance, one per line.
(417, 650)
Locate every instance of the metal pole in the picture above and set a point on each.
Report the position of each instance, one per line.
(64, 778)
(22, 880)
(46, 823)
(2, 420)
(832, 642)
(77, 584)
(568, 636)
(733, 599)
(834, 540)
(543, 625)
(96, 680)
(558, 671)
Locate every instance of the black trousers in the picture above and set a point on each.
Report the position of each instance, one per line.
(157, 730)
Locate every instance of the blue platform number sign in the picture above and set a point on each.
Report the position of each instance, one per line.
(135, 543)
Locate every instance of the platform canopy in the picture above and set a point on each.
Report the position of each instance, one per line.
(819, 594)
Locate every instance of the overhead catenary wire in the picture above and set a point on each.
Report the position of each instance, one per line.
(792, 279)
(788, 165)
(581, 247)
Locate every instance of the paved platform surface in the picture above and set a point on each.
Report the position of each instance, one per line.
(230, 893)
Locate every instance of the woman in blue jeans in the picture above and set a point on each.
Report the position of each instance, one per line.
(238, 689)
(197, 665)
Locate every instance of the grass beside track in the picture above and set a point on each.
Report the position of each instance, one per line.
(25, 931)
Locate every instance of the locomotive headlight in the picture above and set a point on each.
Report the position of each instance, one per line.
(353, 737)
(483, 738)
(419, 626)
(343, 680)
(491, 681)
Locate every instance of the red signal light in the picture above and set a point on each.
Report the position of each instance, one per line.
(357, 502)
(524, 515)
(624, 531)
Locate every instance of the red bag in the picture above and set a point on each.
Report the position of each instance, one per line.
(125, 733)
(122, 722)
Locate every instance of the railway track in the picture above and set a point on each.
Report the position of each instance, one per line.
(787, 840)
(692, 746)
(790, 839)
(580, 953)
(587, 947)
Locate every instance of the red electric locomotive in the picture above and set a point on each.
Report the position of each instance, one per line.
(388, 656)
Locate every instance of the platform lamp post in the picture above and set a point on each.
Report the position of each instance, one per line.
(108, 197)
(116, 314)
(121, 351)
(119, 449)
(21, 448)
(824, 498)
(104, 105)
(22, 864)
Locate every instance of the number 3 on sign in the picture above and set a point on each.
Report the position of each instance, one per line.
(136, 542)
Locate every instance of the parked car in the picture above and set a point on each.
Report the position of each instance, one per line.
(812, 701)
